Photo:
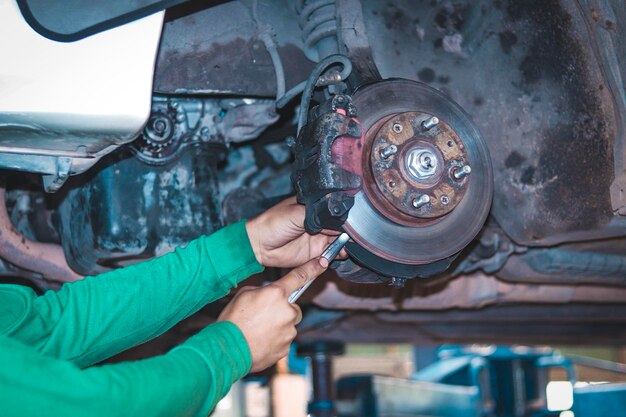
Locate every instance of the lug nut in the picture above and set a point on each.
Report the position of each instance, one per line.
(389, 151)
(397, 127)
(430, 123)
(462, 172)
(422, 201)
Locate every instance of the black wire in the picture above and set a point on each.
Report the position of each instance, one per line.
(312, 81)
(289, 95)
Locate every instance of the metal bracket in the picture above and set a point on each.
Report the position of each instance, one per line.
(53, 182)
(55, 170)
(618, 193)
(353, 42)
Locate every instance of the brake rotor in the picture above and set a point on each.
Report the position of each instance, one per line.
(427, 178)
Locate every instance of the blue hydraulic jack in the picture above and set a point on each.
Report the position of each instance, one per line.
(479, 381)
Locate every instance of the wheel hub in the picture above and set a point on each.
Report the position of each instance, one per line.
(427, 179)
(412, 167)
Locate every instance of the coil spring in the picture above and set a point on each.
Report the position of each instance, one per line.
(318, 21)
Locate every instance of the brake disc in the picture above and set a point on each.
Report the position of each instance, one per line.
(427, 179)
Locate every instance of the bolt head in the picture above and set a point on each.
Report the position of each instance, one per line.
(445, 200)
(160, 125)
(421, 163)
(158, 129)
(397, 127)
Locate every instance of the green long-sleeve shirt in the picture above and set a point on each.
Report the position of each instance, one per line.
(48, 342)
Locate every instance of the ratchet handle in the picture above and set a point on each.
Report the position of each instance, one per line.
(330, 254)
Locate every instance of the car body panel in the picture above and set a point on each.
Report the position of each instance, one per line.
(78, 100)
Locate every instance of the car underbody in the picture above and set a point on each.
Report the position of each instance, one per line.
(473, 151)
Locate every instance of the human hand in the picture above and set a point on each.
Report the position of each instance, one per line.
(265, 317)
(279, 240)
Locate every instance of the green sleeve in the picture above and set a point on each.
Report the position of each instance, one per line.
(93, 319)
(187, 381)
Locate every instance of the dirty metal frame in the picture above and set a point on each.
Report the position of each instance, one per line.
(603, 42)
(579, 323)
(55, 170)
(42, 258)
(532, 182)
(353, 42)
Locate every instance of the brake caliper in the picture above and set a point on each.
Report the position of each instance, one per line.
(327, 170)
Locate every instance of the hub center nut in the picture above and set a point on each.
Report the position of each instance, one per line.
(417, 174)
(421, 163)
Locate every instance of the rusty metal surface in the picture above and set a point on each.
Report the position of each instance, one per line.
(46, 259)
(216, 50)
(559, 266)
(471, 292)
(395, 188)
(575, 324)
(431, 241)
(608, 41)
(353, 41)
(526, 72)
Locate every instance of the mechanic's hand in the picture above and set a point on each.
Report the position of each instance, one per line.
(279, 240)
(265, 317)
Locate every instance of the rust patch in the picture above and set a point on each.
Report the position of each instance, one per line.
(390, 184)
(239, 66)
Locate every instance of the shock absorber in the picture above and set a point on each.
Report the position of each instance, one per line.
(317, 19)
